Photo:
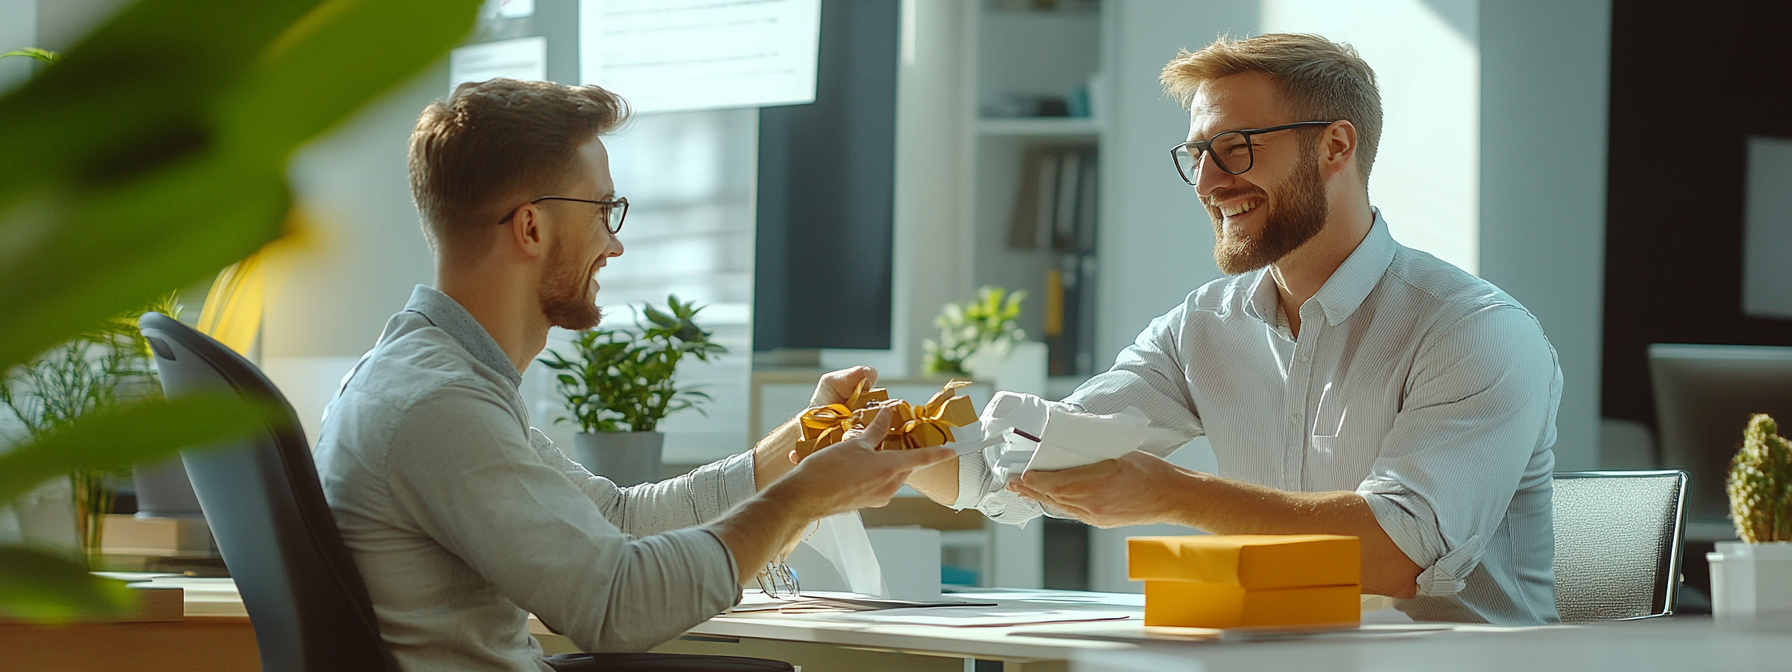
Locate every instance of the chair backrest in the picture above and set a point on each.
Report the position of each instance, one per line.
(266, 509)
(1618, 537)
(1704, 395)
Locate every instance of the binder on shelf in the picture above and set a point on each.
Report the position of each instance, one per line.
(1036, 207)
(1056, 209)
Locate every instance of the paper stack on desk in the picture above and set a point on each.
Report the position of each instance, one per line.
(1039, 435)
(1248, 580)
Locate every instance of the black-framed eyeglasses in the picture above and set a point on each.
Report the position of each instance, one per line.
(614, 210)
(1231, 151)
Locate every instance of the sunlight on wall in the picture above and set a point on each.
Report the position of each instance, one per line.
(689, 180)
(1426, 58)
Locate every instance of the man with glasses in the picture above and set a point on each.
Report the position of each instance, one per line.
(462, 518)
(1348, 384)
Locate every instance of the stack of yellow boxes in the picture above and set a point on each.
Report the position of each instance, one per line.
(1231, 581)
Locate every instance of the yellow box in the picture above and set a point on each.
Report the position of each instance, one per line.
(1201, 604)
(1248, 561)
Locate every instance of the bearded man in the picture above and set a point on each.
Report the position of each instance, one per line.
(462, 518)
(1348, 384)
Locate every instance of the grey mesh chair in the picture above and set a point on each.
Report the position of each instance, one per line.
(1618, 537)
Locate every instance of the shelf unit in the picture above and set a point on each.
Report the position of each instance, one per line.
(1021, 53)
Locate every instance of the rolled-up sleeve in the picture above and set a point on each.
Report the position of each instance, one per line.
(695, 498)
(464, 470)
(1478, 408)
(1146, 376)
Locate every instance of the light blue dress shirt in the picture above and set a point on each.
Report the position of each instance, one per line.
(1426, 390)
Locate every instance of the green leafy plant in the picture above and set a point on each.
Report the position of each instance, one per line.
(152, 154)
(620, 380)
(94, 372)
(969, 327)
(1760, 483)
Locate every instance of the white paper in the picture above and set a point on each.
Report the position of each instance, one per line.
(1075, 439)
(845, 549)
(673, 55)
(524, 58)
(985, 617)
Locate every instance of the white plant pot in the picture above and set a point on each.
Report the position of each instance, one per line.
(1750, 579)
(1022, 370)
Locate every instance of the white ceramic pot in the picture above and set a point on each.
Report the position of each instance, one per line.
(1021, 369)
(1750, 579)
(626, 458)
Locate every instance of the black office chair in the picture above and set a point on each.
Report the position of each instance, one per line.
(266, 509)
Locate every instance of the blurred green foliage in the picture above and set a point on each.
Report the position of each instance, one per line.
(986, 324)
(621, 380)
(151, 155)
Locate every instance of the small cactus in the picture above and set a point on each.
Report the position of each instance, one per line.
(1760, 483)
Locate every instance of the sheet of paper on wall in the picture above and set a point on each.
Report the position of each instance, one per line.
(675, 55)
(524, 58)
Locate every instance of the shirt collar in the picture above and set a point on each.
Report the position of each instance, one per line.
(447, 314)
(1345, 290)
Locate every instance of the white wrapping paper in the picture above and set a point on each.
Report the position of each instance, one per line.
(839, 557)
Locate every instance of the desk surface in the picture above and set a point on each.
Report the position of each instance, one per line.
(1686, 643)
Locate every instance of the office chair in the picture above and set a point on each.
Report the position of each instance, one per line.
(1618, 537)
(266, 508)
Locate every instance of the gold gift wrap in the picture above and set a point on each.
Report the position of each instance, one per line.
(926, 426)
(1248, 580)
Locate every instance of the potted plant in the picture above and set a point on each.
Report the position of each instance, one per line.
(99, 223)
(980, 338)
(618, 384)
(95, 372)
(1754, 576)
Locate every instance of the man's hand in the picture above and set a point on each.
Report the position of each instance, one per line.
(854, 474)
(774, 455)
(1136, 489)
(846, 476)
(836, 386)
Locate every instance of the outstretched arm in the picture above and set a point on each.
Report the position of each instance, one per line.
(1142, 488)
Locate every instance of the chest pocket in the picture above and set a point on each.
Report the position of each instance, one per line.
(1328, 422)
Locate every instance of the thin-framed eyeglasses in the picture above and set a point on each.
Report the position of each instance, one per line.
(1231, 151)
(778, 580)
(614, 210)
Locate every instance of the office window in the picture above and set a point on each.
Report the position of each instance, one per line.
(689, 180)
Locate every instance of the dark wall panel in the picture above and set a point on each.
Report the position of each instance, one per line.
(827, 176)
(1690, 82)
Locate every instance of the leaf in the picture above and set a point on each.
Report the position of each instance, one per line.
(144, 430)
(155, 152)
(333, 62)
(41, 586)
(44, 55)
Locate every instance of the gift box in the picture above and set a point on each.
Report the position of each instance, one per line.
(926, 426)
(1229, 581)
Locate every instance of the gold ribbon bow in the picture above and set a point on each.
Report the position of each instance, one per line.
(930, 425)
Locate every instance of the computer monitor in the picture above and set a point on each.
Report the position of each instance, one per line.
(1704, 395)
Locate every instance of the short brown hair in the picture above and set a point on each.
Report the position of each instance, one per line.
(1321, 80)
(499, 141)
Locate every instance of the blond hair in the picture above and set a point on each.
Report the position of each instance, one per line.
(1321, 80)
(495, 144)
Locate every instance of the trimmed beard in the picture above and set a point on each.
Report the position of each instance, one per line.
(564, 300)
(1294, 217)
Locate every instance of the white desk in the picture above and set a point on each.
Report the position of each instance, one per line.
(1665, 644)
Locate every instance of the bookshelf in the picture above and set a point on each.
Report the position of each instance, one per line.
(1033, 114)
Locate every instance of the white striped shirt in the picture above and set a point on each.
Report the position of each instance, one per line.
(1426, 390)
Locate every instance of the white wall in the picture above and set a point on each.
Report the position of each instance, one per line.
(1544, 79)
(18, 29)
(1427, 65)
